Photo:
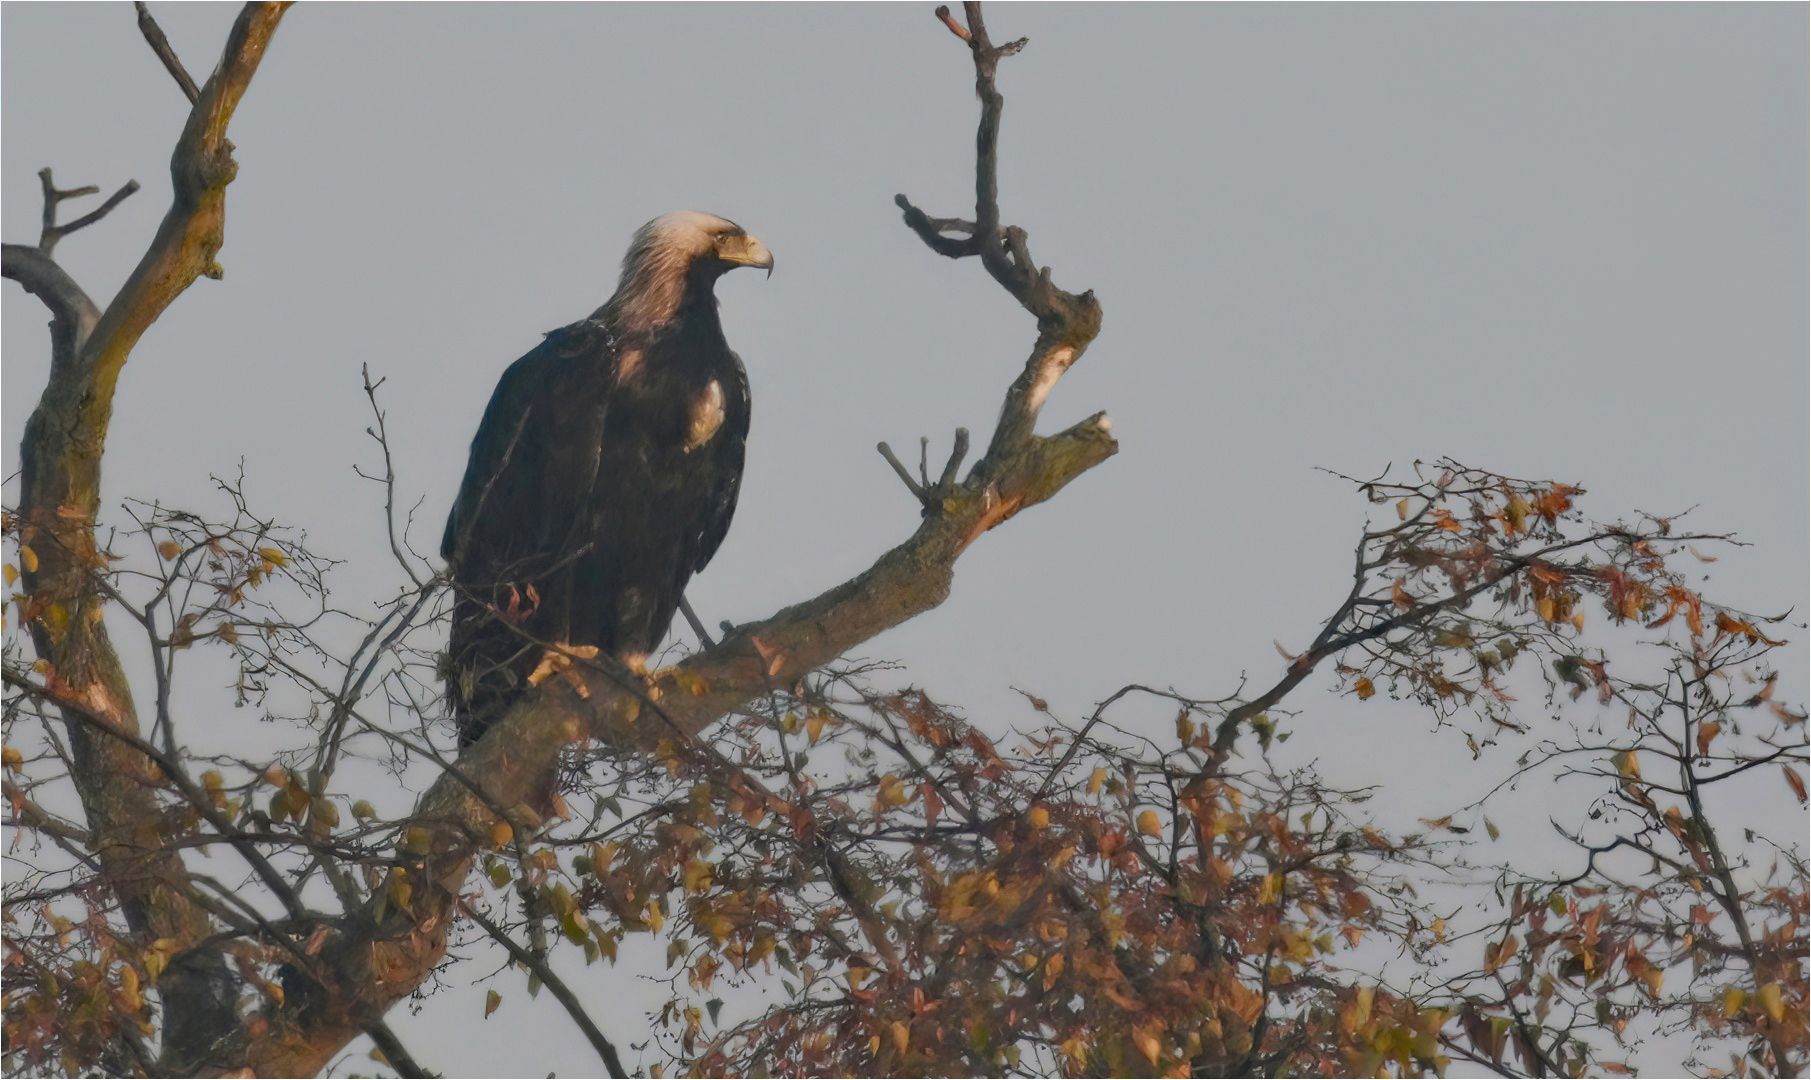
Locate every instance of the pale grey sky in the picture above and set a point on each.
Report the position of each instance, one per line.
(1562, 241)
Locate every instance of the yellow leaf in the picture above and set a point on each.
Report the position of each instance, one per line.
(128, 989)
(12, 573)
(1544, 608)
(274, 555)
(363, 810)
(28, 559)
(1038, 817)
(1627, 764)
(501, 834)
(1365, 689)
(1516, 512)
(902, 1036)
(169, 549)
(696, 876)
(1365, 997)
(13, 760)
(1734, 997)
(1148, 1044)
(814, 725)
(415, 840)
(1771, 1003)
(1094, 781)
(492, 999)
(891, 793)
(1149, 824)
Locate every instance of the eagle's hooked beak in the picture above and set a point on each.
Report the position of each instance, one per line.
(745, 250)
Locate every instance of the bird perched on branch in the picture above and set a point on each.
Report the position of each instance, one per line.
(603, 475)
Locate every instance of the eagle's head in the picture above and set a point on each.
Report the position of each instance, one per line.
(675, 256)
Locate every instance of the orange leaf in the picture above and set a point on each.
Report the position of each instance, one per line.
(1498, 955)
(1797, 782)
(1365, 689)
(1707, 732)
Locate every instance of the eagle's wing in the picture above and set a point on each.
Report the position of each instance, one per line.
(519, 473)
(727, 451)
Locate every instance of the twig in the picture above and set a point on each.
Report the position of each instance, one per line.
(957, 453)
(685, 608)
(161, 46)
(382, 434)
(956, 28)
(392, 1048)
(605, 1049)
(905, 474)
(52, 232)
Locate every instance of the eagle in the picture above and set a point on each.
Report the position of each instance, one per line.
(603, 475)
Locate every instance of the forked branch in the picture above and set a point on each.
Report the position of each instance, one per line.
(1067, 322)
(59, 499)
(385, 956)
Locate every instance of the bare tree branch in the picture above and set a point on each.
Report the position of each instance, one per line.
(161, 46)
(59, 500)
(561, 992)
(43, 278)
(52, 232)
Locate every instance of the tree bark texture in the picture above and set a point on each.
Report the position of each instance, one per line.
(59, 500)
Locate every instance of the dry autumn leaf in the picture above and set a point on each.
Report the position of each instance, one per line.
(1149, 824)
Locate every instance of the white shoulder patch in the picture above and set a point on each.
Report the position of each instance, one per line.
(628, 362)
(707, 416)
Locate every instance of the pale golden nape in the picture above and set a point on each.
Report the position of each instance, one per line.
(654, 269)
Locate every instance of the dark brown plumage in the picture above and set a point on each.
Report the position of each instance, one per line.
(604, 473)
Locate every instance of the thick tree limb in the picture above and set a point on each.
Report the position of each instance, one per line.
(43, 278)
(59, 499)
(381, 958)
